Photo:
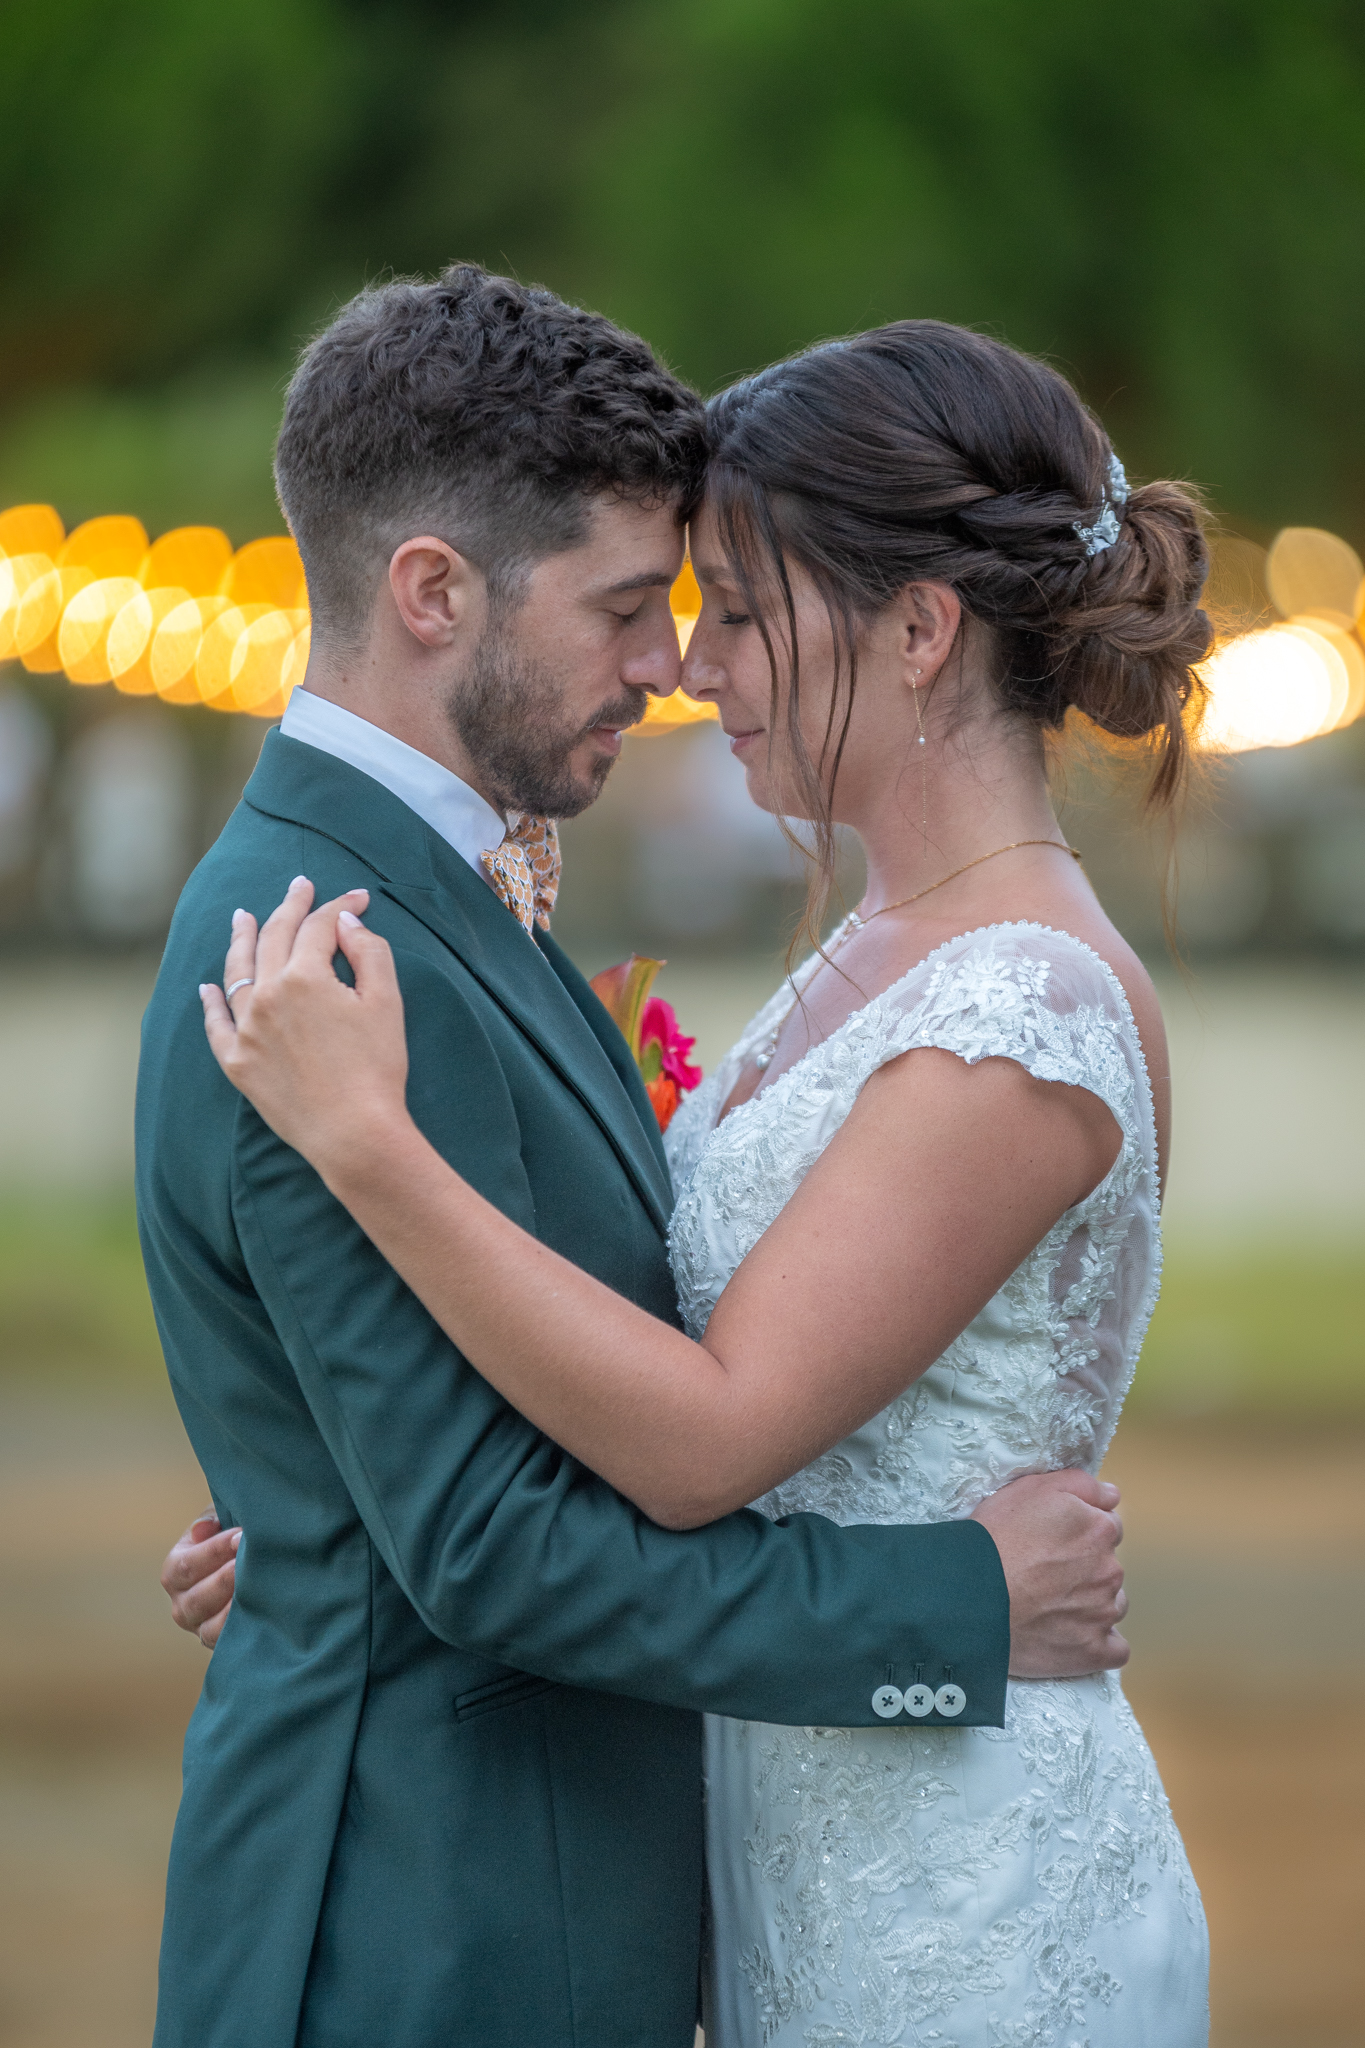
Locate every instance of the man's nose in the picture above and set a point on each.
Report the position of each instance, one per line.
(660, 670)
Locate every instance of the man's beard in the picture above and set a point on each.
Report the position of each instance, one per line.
(508, 713)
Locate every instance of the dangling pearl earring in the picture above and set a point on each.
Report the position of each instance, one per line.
(923, 769)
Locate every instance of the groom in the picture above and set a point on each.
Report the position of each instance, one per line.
(443, 1787)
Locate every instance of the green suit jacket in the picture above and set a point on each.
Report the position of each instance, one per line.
(442, 1788)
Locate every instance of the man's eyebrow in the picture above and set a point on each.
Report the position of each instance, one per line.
(651, 579)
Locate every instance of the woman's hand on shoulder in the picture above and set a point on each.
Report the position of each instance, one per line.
(325, 1064)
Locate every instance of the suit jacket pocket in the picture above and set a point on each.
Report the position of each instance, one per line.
(502, 1692)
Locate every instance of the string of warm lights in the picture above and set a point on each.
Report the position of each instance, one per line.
(191, 620)
(185, 618)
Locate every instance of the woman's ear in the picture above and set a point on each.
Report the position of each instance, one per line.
(931, 617)
(434, 589)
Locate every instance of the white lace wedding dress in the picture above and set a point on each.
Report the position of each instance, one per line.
(1022, 1887)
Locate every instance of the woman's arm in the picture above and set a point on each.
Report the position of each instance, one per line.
(939, 1183)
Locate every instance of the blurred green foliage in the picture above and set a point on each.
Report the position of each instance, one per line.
(73, 1300)
(1167, 199)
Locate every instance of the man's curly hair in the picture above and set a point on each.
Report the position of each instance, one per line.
(482, 410)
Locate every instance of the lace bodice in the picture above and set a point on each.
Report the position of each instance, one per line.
(1015, 1887)
(1037, 1380)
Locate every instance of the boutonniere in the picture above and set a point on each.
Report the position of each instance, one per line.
(650, 1029)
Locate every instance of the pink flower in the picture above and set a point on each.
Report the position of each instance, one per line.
(659, 1026)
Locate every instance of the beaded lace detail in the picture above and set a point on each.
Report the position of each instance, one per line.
(885, 1880)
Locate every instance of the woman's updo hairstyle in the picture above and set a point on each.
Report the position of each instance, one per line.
(924, 452)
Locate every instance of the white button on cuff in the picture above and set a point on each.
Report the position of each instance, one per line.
(950, 1700)
(887, 1701)
(919, 1700)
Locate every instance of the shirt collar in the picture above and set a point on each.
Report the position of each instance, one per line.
(451, 808)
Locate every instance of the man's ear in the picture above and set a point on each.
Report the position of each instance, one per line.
(436, 590)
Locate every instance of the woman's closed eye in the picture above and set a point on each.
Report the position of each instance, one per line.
(728, 618)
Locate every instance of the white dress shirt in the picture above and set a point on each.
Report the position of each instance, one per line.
(451, 808)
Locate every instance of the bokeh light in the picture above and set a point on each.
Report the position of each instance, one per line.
(256, 665)
(1347, 645)
(31, 529)
(194, 558)
(1270, 688)
(175, 648)
(266, 572)
(17, 575)
(1295, 678)
(1308, 569)
(131, 635)
(213, 662)
(83, 635)
(685, 603)
(38, 619)
(112, 546)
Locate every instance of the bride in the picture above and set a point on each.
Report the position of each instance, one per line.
(916, 1238)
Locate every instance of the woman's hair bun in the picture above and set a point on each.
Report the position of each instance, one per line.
(1123, 646)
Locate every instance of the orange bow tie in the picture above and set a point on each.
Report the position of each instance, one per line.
(524, 870)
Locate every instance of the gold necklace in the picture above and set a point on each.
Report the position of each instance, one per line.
(763, 1058)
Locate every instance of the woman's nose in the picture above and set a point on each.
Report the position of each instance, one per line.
(701, 676)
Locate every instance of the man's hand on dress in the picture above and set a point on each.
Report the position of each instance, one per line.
(1057, 1533)
(200, 1574)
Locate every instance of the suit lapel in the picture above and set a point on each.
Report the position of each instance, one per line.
(431, 881)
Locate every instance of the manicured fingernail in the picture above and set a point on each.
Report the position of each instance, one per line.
(236, 914)
(235, 1540)
(347, 919)
(298, 882)
(203, 990)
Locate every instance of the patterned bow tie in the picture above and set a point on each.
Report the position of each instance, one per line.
(524, 870)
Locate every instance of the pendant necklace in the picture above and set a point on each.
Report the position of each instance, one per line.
(763, 1059)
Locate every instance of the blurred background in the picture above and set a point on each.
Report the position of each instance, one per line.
(1166, 201)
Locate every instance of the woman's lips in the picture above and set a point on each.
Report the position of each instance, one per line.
(740, 740)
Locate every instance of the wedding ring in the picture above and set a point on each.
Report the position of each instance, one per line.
(247, 981)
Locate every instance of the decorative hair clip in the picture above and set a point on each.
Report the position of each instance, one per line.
(1105, 531)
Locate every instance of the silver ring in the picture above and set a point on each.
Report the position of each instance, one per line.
(247, 981)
